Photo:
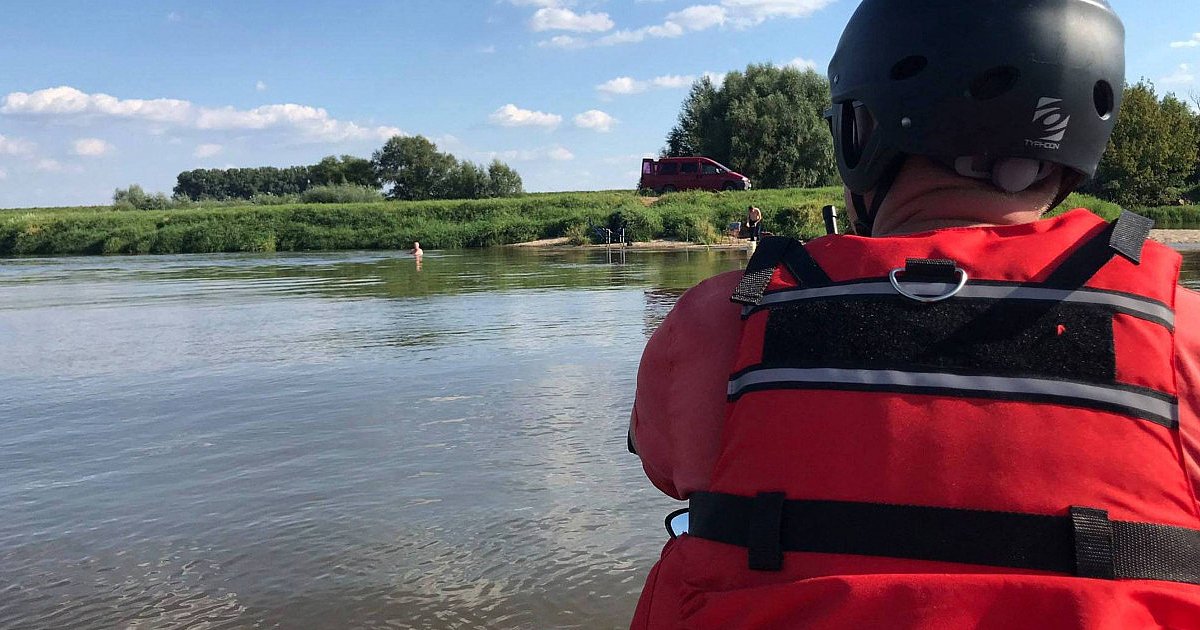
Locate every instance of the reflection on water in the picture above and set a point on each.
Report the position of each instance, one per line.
(328, 440)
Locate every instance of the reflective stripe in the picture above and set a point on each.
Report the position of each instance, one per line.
(1161, 409)
(1143, 307)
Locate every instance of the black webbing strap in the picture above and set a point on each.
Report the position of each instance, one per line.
(804, 268)
(772, 252)
(931, 270)
(1085, 543)
(1125, 236)
(760, 269)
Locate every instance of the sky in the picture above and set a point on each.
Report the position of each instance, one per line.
(571, 93)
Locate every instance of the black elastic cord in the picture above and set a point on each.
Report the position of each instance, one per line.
(1084, 543)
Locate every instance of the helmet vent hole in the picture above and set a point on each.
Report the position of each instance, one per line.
(994, 83)
(1104, 99)
(909, 67)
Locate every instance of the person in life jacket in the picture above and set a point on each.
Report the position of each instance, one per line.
(964, 415)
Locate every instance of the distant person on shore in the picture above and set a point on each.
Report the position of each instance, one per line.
(754, 222)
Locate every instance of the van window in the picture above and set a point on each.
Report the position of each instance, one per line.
(670, 168)
(689, 167)
(709, 169)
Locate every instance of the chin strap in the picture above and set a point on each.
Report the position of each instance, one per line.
(864, 223)
(1071, 179)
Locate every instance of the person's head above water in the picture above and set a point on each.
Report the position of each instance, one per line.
(952, 112)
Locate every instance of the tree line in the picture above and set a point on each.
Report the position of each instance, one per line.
(405, 168)
(767, 123)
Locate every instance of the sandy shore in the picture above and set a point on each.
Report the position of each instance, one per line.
(1176, 237)
(1185, 239)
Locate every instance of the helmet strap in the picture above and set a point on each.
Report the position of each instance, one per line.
(1071, 179)
(864, 223)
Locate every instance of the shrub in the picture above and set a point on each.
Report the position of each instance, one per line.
(340, 193)
(134, 198)
(578, 234)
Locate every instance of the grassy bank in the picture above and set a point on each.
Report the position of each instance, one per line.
(691, 216)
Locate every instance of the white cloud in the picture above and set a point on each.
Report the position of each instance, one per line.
(207, 150)
(3, 174)
(260, 86)
(562, 41)
(629, 85)
(595, 119)
(561, 154)
(68, 100)
(48, 165)
(673, 81)
(540, 3)
(91, 147)
(15, 146)
(559, 19)
(488, 50)
(622, 85)
(702, 17)
(802, 63)
(699, 18)
(174, 16)
(556, 153)
(717, 78)
(1191, 43)
(512, 116)
(750, 12)
(1182, 76)
(308, 124)
(694, 18)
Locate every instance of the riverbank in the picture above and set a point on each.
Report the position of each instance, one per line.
(1181, 239)
(666, 222)
(1187, 238)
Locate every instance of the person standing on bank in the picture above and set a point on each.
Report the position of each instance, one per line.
(754, 223)
(963, 415)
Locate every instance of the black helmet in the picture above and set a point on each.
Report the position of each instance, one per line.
(976, 85)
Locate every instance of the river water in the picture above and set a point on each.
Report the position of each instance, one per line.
(328, 440)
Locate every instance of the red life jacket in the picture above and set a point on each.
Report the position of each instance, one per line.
(1027, 424)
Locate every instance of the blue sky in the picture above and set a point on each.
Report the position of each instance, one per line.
(572, 93)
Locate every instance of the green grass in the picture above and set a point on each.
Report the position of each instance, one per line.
(693, 216)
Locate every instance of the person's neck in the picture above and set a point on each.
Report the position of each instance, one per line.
(952, 208)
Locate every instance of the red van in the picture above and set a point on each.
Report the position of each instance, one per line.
(686, 173)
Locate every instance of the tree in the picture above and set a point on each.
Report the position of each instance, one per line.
(359, 172)
(413, 167)
(766, 123)
(1152, 155)
(468, 181)
(503, 181)
(347, 170)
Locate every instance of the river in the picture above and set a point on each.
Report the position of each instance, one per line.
(329, 440)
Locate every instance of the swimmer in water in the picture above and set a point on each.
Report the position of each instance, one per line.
(417, 251)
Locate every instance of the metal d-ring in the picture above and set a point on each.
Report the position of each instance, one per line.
(962, 282)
